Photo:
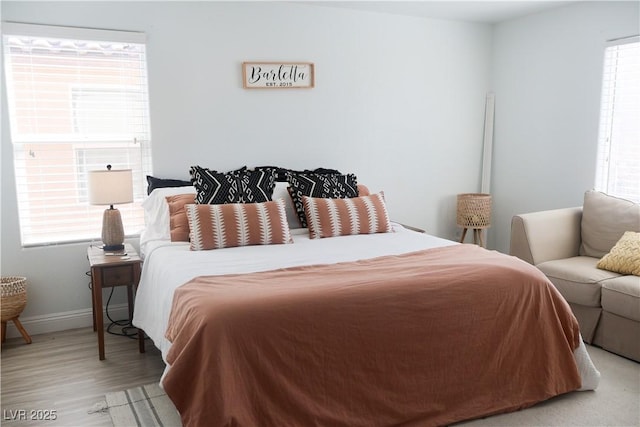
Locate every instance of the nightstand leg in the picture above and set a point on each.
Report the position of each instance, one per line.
(97, 304)
(130, 302)
(141, 340)
(93, 309)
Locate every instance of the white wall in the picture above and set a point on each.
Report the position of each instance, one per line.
(399, 101)
(547, 71)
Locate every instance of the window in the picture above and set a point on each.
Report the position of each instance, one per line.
(78, 100)
(618, 165)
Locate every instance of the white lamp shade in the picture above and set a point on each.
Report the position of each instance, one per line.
(110, 187)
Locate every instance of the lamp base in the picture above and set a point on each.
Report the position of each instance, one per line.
(113, 248)
(112, 230)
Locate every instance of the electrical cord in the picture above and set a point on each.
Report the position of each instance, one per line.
(126, 327)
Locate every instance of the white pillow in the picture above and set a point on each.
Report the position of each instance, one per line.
(156, 213)
(281, 191)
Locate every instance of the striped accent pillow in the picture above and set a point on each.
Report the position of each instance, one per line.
(334, 186)
(342, 217)
(237, 224)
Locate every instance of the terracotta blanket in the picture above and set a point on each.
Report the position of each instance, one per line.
(426, 338)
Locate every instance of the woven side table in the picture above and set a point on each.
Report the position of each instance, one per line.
(474, 212)
(14, 299)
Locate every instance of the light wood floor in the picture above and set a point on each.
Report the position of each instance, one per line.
(60, 371)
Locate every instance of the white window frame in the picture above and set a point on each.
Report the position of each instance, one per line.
(72, 219)
(618, 157)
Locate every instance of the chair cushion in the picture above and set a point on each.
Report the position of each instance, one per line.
(577, 279)
(621, 296)
(604, 220)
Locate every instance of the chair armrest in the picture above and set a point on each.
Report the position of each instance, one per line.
(546, 235)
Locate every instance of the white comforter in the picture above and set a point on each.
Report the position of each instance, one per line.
(169, 265)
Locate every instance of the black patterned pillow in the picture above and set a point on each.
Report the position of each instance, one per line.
(324, 186)
(238, 186)
(281, 173)
(214, 187)
(258, 185)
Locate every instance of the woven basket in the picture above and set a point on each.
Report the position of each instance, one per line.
(474, 210)
(14, 297)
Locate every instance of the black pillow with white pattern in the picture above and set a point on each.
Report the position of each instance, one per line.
(258, 185)
(325, 186)
(239, 186)
(281, 173)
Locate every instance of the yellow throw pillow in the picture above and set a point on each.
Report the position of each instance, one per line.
(624, 257)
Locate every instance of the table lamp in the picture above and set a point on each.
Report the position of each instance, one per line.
(111, 187)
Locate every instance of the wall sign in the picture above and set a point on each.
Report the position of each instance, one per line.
(277, 75)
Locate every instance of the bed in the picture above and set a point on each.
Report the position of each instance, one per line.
(393, 328)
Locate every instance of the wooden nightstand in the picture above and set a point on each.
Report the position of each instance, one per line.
(109, 271)
(412, 228)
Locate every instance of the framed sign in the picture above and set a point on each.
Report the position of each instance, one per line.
(277, 75)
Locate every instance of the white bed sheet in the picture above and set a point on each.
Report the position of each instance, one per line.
(169, 265)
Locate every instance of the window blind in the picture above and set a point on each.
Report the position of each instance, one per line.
(78, 100)
(618, 163)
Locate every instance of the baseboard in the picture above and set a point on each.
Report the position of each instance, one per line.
(55, 322)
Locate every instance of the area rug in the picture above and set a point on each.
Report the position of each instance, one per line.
(143, 406)
(614, 403)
